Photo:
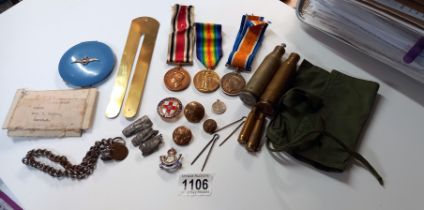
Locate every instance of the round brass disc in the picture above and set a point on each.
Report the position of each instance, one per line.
(206, 81)
(232, 83)
(119, 151)
(194, 112)
(182, 135)
(177, 79)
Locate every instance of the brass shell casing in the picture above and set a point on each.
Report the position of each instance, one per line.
(278, 85)
(247, 127)
(256, 134)
(260, 79)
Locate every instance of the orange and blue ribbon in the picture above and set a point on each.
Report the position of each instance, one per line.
(248, 41)
(209, 44)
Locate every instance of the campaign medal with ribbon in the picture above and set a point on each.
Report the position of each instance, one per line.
(180, 48)
(209, 52)
(246, 45)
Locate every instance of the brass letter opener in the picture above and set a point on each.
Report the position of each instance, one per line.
(148, 27)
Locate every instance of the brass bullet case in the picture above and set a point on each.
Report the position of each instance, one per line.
(262, 76)
(247, 127)
(278, 85)
(256, 134)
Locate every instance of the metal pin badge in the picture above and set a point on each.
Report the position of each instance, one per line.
(170, 162)
(169, 108)
(85, 60)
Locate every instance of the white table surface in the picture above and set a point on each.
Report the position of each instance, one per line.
(35, 33)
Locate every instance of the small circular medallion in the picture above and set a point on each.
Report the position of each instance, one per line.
(210, 126)
(118, 151)
(194, 112)
(206, 81)
(232, 83)
(169, 108)
(218, 107)
(182, 135)
(177, 79)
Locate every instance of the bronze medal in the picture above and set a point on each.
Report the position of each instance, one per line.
(177, 79)
(206, 81)
(118, 151)
(232, 83)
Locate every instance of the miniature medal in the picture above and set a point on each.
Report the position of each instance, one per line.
(180, 48)
(232, 83)
(209, 52)
(218, 107)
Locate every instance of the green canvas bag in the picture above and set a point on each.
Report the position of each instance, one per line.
(319, 120)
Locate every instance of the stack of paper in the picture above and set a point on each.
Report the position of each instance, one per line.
(53, 113)
(371, 29)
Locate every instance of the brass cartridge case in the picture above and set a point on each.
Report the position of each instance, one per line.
(247, 127)
(262, 76)
(256, 134)
(278, 85)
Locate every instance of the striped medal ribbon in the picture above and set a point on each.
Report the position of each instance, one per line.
(181, 39)
(208, 44)
(180, 48)
(248, 41)
(209, 52)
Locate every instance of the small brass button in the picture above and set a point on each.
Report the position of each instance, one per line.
(194, 112)
(182, 135)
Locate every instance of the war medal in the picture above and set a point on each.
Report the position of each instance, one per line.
(180, 48)
(209, 52)
(248, 41)
(177, 79)
(232, 83)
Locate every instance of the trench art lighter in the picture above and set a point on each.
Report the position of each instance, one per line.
(170, 162)
(146, 27)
